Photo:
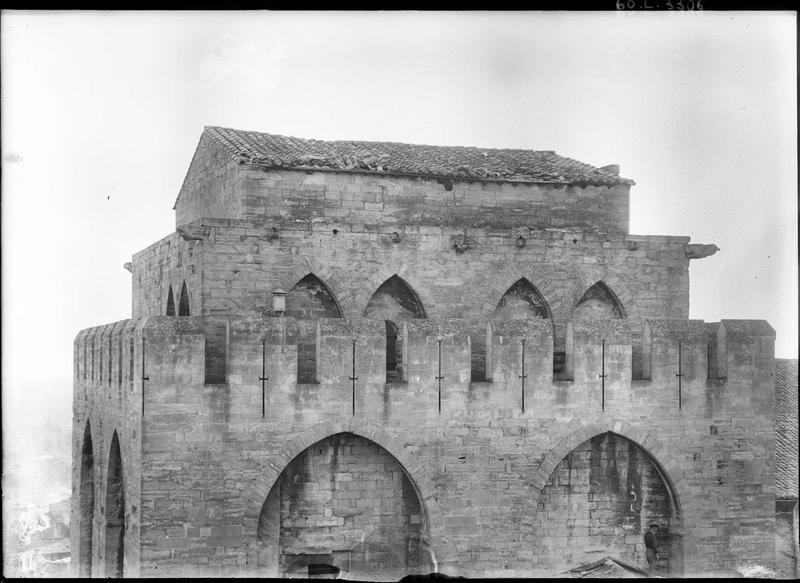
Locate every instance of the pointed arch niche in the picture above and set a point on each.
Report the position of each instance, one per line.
(170, 302)
(608, 490)
(183, 307)
(599, 302)
(309, 300)
(115, 513)
(86, 515)
(394, 302)
(318, 498)
(520, 302)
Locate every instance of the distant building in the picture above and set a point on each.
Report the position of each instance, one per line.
(382, 359)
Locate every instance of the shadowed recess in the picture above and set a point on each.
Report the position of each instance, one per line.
(348, 503)
(183, 308)
(170, 303)
(308, 301)
(86, 505)
(115, 513)
(602, 497)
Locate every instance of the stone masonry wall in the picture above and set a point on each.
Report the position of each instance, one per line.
(480, 465)
(208, 189)
(169, 262)
(107, 398)
(360, 199)
(242, 262)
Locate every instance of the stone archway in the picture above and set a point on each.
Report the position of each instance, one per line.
(347, 503)
(599, 498)
(115, 513)
(415, 472)
(86, 515)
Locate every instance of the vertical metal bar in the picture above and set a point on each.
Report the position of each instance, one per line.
(522, 376)
(679, 374)
(439, 377)
(354, 378)
(603, 376)
(263, 378)
(144, 378)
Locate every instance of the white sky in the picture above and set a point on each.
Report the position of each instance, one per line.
(698, 108)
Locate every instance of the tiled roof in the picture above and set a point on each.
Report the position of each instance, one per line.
(455, 162)
(786, 444)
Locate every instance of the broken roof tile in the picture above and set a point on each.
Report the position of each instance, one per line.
(512, 165)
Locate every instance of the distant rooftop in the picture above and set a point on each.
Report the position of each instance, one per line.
(455, 162)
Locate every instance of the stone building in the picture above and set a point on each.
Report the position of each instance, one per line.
(387, 359)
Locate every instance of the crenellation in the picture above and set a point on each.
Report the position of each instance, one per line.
(255, 437)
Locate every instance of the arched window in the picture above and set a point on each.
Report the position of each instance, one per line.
(115, 512)
(394, 302)
(308, 301)
(86, 515)
(598, 302)
(183, 307)
(170, 303)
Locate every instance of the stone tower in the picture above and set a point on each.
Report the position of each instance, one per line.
(384, 359)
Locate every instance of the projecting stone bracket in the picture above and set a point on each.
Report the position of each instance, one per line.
(698, 251)
(192, 232)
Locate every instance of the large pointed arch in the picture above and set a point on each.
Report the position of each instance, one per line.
(394, 300)
(416, 471)
(115, 512)
(608, 486)
(397, 532)
(521, 301)
(599, 301)
(86, 506)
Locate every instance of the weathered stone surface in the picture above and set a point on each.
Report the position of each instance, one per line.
(340, 438)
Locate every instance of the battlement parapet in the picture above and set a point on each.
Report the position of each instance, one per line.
(175, 353)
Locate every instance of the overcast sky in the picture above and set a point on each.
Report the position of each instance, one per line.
(101, 113)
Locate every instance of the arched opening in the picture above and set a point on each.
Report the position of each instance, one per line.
(115, 512)
(523, 301)
(86, 515)
(394, 302)
(520, 302)
(348, 503)
(599, 302)
(600, 500)
(183, 307)
(170, 302)
(308, 301)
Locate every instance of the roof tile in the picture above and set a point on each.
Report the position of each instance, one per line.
(456, 162)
